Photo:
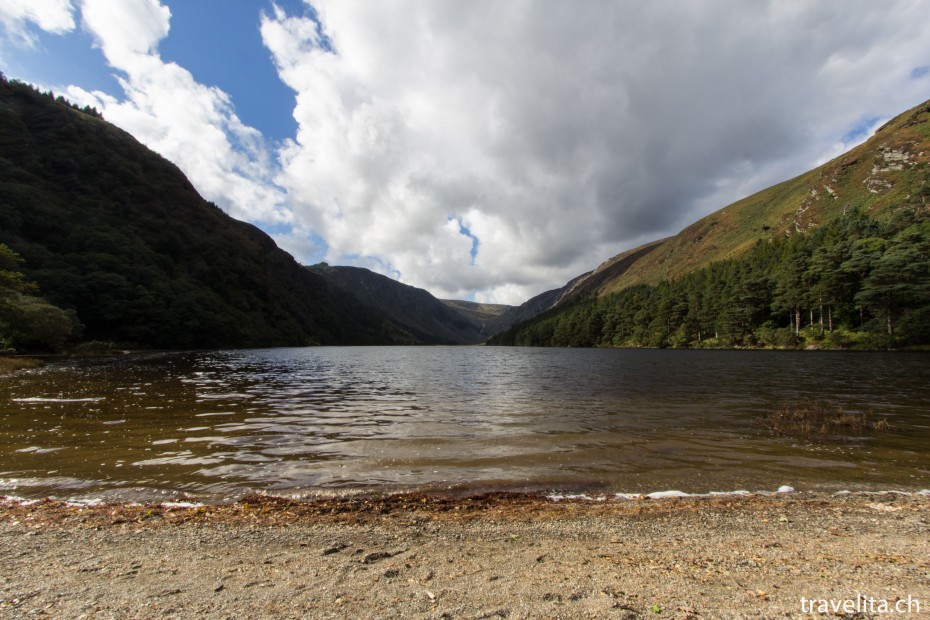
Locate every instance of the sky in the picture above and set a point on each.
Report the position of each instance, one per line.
(481, 150)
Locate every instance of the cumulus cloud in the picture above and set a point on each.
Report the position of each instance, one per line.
(56, 16)
(557, 134)
(495, 150)
(192, 124)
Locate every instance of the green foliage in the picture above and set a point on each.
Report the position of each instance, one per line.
(854, 283)
(116, 234)
(32, 324)
(12, 280)
(29, 323)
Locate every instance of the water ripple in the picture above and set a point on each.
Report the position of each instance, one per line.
(229, 422)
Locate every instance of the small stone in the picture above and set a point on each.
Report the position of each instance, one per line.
(334, 549)
(169, 592)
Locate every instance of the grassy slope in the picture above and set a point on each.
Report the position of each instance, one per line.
(890, 169)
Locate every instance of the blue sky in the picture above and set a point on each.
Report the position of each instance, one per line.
(229, 53)
(60, 60)
(481, 150)
(218, 41)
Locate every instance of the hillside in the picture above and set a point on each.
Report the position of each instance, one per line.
(116, 233)
(411, 315)
(888, 171)
(838, 256)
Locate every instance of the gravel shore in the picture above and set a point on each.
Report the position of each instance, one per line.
(489, 556)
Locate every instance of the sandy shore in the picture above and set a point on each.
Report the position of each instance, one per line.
(493, 556)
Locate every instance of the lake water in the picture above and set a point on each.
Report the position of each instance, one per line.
(216, 425)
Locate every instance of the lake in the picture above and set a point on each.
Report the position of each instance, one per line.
(215, 425)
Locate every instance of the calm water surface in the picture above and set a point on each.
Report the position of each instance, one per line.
(216, 425)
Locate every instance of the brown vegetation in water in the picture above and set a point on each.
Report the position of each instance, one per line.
(816, 421)
(9, 365)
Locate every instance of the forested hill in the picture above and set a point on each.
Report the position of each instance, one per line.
(837, 257)
(113, 231)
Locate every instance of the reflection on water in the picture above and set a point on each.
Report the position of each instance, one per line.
(219, 424)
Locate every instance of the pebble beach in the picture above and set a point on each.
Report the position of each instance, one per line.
(496, 555)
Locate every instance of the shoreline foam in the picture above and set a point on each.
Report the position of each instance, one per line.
(433, 496)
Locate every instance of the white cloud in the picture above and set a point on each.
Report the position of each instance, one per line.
(301, 243)
(191, 124)
(562, 133)
(128, 29)
(552, 134)
(55, 16)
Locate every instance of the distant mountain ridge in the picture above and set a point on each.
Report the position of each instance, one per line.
(532, 307)
(412, 315)
(482, 316)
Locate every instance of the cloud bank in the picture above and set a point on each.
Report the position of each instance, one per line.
(494, 149)
(556, 134)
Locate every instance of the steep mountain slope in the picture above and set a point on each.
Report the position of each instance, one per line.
(115, 232)
(532, 307)
(846, 245)
(583, 284)
(888, 171)
(411, 315)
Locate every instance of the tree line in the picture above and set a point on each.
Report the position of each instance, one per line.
(50, 95)
(856, 282)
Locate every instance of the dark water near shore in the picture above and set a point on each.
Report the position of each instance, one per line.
(215, 425)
